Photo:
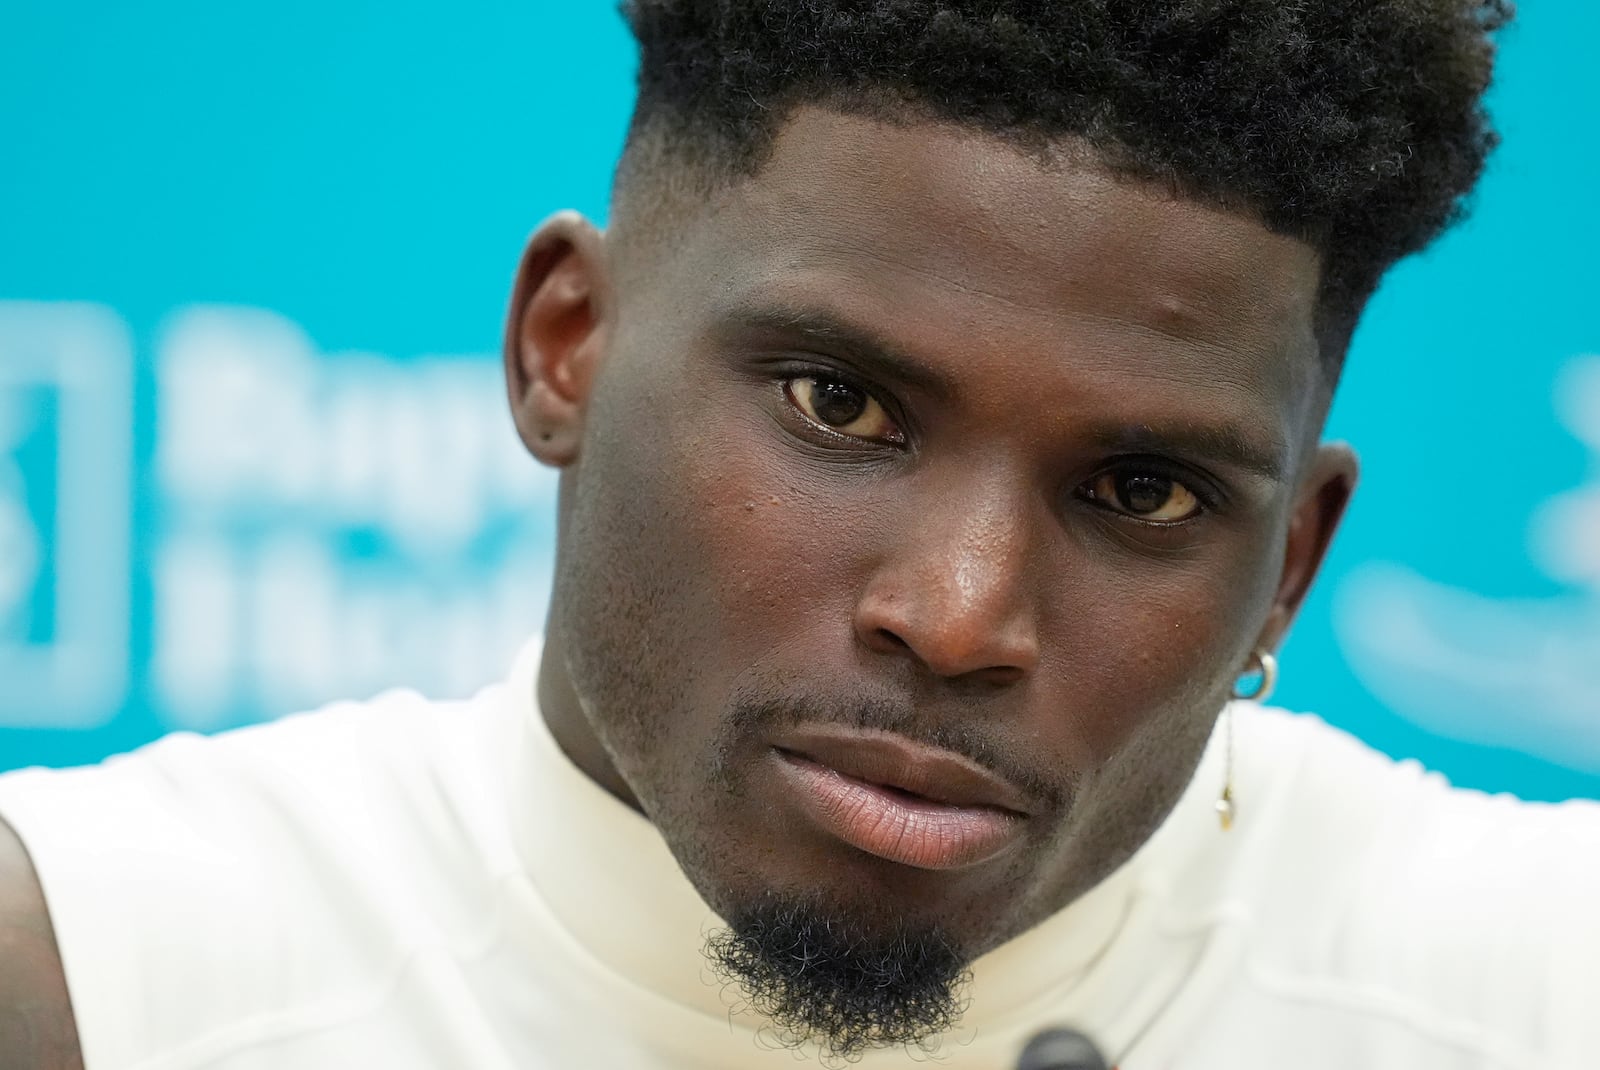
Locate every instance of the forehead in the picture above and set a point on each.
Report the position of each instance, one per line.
(976, 256)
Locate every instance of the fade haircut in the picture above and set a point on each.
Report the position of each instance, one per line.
(1356, 126)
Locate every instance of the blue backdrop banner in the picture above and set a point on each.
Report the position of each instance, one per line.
(254, 453)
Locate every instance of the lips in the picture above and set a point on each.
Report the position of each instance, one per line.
(898, 800)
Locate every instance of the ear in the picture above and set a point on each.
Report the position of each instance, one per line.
(1320, 504)
(555, 335)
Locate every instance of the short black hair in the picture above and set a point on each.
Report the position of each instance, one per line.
(1357, 126)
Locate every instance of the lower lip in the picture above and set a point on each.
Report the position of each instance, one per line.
(898, 827)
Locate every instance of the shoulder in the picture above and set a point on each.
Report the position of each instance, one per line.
(268, 870)
(1377, 881)
(351, 781)
(1323, 795)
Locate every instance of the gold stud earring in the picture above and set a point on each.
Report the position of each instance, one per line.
(1267, 671)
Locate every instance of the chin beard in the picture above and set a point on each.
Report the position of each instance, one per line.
(819, 976)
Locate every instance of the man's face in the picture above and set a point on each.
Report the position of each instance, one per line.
(923, 500)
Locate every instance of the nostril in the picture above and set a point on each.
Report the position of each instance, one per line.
(1002, 675)
(890, 639)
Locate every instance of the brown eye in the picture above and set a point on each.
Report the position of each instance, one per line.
(841, 407)
(1148, 496)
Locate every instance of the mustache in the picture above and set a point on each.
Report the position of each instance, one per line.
(971, 733)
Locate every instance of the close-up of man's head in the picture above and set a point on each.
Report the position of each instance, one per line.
(940, 424)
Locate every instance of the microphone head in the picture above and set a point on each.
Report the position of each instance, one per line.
(1061, 1049)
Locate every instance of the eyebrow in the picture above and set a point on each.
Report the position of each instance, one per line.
(1220, 444)
(870, 352)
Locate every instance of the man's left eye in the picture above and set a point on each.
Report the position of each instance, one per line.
(1148, 496)
(841, 407)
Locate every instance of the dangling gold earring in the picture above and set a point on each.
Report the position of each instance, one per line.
(1267, 666)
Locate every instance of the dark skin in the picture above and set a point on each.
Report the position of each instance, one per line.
(37, 1031)
(917, 431)
(911, 429)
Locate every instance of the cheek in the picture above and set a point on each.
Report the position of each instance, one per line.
(631, 584)
(1147, 646)
(1147, 671)
(782, 549)
(707, 531)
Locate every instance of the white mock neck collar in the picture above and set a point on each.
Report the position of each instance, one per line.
(609, 878)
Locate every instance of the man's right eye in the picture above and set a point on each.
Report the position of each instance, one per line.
(842, 408)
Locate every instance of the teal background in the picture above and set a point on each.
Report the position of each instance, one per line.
(368, 173)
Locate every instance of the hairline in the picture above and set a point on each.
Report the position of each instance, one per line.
(687, 182)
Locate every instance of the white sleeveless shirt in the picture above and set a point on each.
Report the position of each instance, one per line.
(404, 885)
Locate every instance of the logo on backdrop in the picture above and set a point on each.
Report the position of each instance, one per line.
(66, 411)
(321, 525)
(1521, 674)
(334, 524)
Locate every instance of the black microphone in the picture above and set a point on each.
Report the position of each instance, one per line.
(1061, 1049)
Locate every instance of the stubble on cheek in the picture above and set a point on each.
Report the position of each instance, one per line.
(625, 593)
(1144, 683)
(668, 586)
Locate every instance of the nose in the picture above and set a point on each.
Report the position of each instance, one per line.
(956, 593)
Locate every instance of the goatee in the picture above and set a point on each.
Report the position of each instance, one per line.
(820, 977)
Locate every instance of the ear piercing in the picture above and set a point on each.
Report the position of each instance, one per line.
(1266, 672)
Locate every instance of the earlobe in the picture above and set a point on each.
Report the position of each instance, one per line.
(1320, 505)
(555, 335)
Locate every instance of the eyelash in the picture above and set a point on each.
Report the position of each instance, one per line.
(824, 373)
(1209, 498)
